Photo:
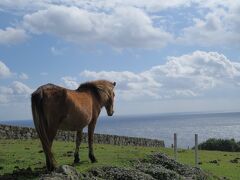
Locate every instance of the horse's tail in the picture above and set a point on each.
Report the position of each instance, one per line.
(39, 119)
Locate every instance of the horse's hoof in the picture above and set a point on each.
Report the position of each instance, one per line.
(76, 160)
(94, 161)
(92, 158)
(50, 169)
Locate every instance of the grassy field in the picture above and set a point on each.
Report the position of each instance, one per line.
(16, 154)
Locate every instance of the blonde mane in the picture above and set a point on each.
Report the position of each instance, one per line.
(101, 88)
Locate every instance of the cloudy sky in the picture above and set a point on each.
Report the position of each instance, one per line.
(166, 56)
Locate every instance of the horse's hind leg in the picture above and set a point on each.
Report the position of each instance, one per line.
(50, 160)
(49, 156)
(91, 128)
(78, 142)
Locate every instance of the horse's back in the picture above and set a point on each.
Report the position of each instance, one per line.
(47, 88)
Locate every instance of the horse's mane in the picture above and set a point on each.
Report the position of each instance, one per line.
(100, 88)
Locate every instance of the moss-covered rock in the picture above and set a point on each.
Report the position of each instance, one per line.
(170, 164)
(156, 166)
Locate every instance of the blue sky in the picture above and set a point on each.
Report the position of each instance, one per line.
(176, 56)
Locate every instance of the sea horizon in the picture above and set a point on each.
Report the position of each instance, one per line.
(162, 126)
(151, 114)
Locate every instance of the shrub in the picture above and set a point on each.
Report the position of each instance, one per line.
(220, 144)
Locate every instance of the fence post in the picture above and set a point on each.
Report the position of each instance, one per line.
(196, 150)
(175, 146)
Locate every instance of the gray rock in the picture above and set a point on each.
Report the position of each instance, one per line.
(117, 173)
(54, 176)
(170, 164)
(67, 170)
(64, 172)
(158, 171)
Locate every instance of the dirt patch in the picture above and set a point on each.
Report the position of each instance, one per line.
(23, 174)
(236, 160)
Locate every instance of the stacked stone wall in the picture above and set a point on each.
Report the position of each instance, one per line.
(15, 132)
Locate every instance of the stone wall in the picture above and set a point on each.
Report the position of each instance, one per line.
(15, 132)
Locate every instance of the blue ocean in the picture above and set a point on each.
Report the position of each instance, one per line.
(163, 126)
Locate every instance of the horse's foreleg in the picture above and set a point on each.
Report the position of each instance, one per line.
(78, 142)
(91, 128)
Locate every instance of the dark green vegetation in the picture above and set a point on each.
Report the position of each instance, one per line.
(229, 145)
(18, 154)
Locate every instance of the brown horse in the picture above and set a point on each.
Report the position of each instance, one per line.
(55, 107)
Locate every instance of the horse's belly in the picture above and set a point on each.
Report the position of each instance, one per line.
(72, 124)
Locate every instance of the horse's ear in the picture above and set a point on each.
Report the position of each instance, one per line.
(114, 83)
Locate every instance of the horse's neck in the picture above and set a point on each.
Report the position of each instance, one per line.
(97, 103)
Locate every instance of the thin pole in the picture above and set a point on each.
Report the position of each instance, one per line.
(175, 146)
(196, 150)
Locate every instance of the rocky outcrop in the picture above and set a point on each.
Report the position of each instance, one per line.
(154, 167)
(116, 173)
(161, 162)
(15, 132)
(64, 172)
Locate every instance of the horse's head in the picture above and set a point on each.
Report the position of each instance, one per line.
(104, 91)
(110, 100)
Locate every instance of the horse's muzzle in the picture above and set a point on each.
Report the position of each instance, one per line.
(110, 113)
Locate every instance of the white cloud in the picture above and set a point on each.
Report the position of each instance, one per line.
(16, 92)
(70, 82)
(5, 93)
(23, 76)
(5, 90)
(150, 5)
(94, 5)
(4, 70)
(189, 75)
(21, 89)
(11, 36)
(121, 28)
(128, 83)
(128, 24)
(220, 26)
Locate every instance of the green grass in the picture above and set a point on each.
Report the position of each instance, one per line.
(224, 168)
(26, 153)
